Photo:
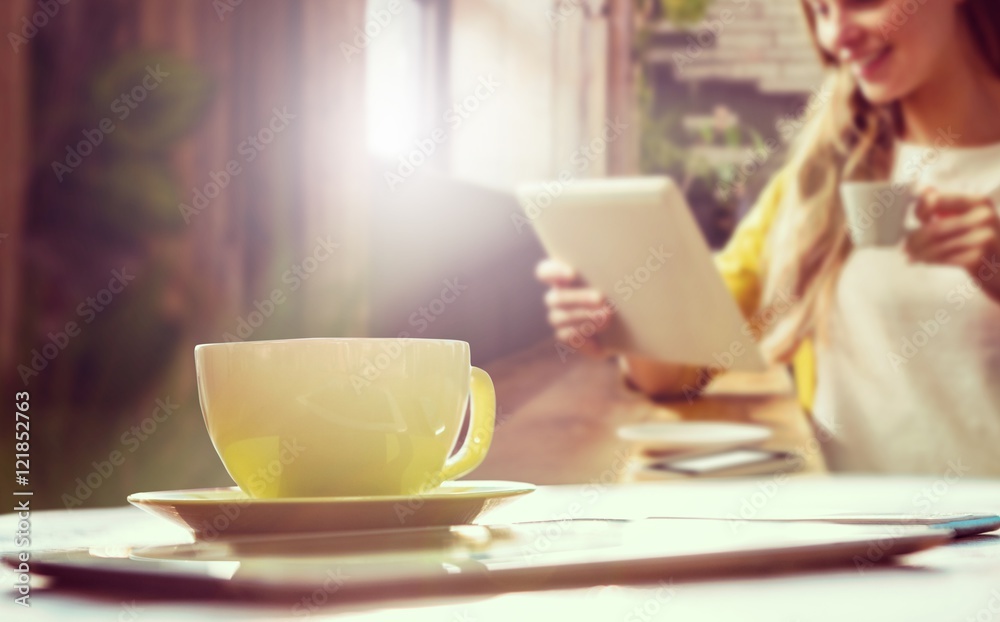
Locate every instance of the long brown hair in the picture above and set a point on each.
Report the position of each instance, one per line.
(846, 137)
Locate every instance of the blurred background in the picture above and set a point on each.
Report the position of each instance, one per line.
(175, 172)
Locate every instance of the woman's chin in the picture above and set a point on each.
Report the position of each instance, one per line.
(879, 94)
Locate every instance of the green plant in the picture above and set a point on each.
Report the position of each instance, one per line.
(175, 95)
(661, 150)
(114, 209)
(667, 148)
(685, 12)
(682, 13)
(737, 140)
(133, 183)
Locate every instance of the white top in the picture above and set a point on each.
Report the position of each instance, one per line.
(909, 380)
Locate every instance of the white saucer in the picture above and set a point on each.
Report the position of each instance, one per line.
(692, 436)
(213, 513)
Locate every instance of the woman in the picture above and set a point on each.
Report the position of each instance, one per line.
(896, 350)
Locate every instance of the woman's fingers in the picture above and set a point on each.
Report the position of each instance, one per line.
(580, 317)
(960, 232)
(562, 297)
(968, 258)
(940, 230)
(947, 250)
(555, 273)
(577, 313)
(579, 342)
(933, 204)
(578, 327)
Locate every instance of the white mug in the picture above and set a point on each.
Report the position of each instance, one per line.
(344, 417)
(876, 211)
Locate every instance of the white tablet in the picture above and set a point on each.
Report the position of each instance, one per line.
(635, 240)
(355, 567)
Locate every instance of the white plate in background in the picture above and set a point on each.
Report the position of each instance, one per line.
(692, 436)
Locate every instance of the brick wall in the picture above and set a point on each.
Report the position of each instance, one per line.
(765, 42)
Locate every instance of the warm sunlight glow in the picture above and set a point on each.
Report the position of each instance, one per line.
(391, 42)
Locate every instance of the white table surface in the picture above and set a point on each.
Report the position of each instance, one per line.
(956, 583)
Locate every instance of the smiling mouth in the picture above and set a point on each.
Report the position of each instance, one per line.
(866, 66)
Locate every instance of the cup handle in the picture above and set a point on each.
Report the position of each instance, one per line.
(482, 414)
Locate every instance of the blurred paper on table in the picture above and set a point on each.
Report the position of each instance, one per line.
(635, 240)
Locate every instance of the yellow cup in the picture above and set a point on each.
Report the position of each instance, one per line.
(344, 417)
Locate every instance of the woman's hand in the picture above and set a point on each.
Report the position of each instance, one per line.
(577, 313)
(959, 231)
